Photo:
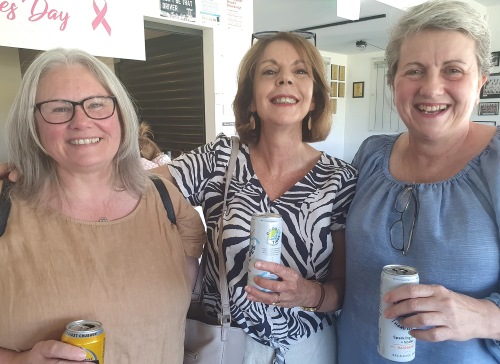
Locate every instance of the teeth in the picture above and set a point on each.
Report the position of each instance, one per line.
(432, 108)
(84, 141)
(284, 100)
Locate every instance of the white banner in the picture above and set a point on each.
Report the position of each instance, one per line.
(106, 28)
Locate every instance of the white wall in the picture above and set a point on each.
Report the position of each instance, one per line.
(10, 76)
(358, 109)
(494, 23)
(334, 144)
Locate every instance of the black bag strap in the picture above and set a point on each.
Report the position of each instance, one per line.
(5, 204)
(165, 197)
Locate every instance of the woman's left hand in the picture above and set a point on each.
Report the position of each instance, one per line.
(438, 314)
(289, 291)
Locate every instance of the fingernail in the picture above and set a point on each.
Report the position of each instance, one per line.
(82, 355)
(257, 264)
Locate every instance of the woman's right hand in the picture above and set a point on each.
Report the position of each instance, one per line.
(6, 170)
(46, 352)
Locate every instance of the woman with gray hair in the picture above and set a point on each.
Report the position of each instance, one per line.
(87, 234)
(429, 198)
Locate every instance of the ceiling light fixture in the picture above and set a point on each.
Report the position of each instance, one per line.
(345, 22)
(361, 44)
(348, 9)
(402, 4)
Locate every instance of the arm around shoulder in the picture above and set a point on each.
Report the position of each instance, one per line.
(164, 172)
(335, 284)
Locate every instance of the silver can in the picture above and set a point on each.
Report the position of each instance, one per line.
(394, 340)
(265, 244)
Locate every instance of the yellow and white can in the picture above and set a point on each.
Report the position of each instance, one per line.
(88, 335)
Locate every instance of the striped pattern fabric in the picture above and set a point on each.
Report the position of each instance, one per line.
(311, 210)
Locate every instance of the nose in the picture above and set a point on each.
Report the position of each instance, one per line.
(282, 82)
(285, 77)
(79, 116)
(432, 85)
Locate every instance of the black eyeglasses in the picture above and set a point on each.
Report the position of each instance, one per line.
(406, 203)
(271, 33)
(62, 111)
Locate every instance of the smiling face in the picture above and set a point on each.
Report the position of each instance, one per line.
(437, 82)
(283, 86)
(82, 144)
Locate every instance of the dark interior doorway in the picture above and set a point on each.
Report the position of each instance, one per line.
(168, 86)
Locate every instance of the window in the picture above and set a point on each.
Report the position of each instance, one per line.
(383, 114)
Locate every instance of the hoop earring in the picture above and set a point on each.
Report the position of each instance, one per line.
(309, 122)
(252, 121)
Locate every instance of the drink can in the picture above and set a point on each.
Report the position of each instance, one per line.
(265, 244)
(394, 340)
(88, 335)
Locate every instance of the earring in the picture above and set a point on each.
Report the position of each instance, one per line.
(252, 121)
(309, 122)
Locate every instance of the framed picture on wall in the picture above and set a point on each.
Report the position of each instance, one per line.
(486, 122)
(495, 59)
(333, 103)
(358, 89)
(491, 89)
(333, 87)
(341, 89)
(341, 73)
(488, 108)
(335, 72)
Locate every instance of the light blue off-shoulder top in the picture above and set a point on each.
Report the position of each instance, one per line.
(456, 243)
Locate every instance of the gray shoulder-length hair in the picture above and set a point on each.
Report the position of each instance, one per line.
(440, 15)
(25, 149)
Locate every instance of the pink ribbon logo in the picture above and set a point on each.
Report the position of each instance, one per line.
(101, 13)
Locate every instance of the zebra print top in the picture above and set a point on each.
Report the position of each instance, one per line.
(311, 210)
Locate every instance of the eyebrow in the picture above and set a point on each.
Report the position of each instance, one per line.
(273, 61)
(445, 63)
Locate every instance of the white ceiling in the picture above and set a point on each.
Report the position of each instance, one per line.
(300, 14)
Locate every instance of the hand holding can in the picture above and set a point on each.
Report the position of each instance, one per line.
(394, 340)
(265, 244)
(88, 335)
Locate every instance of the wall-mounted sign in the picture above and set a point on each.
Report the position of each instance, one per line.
(107, 28)
(178, 9)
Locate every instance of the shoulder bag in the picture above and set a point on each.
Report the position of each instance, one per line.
(208, 340)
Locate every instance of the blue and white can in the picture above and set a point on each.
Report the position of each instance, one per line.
(265, 244)
(394, 340)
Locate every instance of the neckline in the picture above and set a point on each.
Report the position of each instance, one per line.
(302, 181)
(390, 145)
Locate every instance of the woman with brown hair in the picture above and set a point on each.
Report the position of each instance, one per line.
(282, 104)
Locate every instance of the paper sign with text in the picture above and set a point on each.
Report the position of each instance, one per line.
(106, 28)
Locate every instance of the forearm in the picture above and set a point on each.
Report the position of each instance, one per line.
(492, 317)
(49, 351)
(193, 267)
(333, 297)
